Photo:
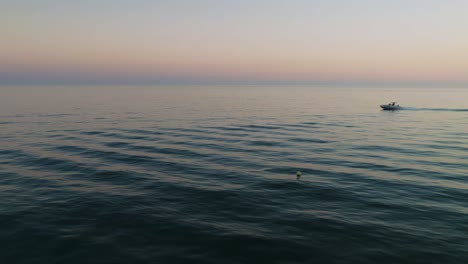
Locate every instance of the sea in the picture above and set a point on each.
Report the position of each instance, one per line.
(208, 174)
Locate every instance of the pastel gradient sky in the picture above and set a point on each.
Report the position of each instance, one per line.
(259, 40)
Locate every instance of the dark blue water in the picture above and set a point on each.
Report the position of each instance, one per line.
(208, 175)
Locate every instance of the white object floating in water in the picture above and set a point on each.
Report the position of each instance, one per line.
(298, 174)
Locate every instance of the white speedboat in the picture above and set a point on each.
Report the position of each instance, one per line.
(391, 106)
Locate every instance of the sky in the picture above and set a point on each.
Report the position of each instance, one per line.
(393, 41)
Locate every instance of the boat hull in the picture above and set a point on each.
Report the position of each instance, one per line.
(391, 107)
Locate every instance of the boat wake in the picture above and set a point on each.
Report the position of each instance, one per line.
(436, 109)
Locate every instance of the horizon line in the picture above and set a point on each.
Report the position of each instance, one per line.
(192, 82)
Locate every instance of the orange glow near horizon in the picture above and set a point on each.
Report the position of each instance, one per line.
(401, 47)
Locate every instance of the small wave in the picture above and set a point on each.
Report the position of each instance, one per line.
(92, 132)
(309, 140)
(142, 131)
(262, 127)
(264, 143)
(56, 115)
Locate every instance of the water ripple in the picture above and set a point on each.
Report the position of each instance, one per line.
(168, 184)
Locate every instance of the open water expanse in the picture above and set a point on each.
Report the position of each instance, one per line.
(208, 175)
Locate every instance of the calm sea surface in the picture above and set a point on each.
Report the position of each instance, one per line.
(208, 175)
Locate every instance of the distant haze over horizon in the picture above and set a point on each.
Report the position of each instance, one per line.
(398, 42)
